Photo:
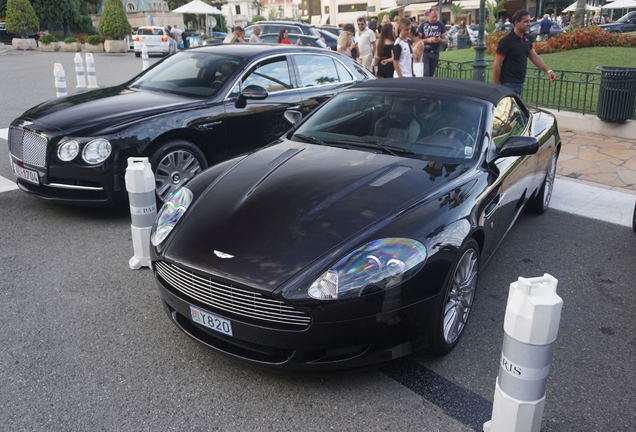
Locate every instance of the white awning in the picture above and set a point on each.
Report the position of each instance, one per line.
(420, 6)
(621, 4)
(468, 4)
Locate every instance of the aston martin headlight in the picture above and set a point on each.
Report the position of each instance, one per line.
(96, 151)
(68, 150)
(376, 266)
(169, 215)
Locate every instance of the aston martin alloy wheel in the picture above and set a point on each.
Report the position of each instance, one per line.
(174, 164)
(457, 300)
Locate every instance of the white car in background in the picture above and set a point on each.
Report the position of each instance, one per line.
(156, 39)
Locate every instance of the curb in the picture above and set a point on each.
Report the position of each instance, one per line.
(592, 124)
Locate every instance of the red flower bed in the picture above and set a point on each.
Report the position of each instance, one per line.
(580, 38)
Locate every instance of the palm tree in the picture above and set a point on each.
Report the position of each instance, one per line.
(256, 4)
(456, 10)
(579, 17)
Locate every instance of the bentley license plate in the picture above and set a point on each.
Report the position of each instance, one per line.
(211, 321)
(26, 174)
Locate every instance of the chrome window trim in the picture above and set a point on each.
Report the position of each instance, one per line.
(227, 95)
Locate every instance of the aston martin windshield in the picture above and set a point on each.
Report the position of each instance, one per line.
(416, 125)
(197, 74)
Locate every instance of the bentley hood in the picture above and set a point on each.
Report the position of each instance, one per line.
(85, 113)
(285, 206)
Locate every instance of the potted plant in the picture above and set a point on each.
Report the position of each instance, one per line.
(94, 44)
(22, 20)
(114, 26)
(71, 44)
(49, 43)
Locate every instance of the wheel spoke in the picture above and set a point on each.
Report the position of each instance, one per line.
(460, 296)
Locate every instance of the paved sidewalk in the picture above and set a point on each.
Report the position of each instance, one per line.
(609, 161)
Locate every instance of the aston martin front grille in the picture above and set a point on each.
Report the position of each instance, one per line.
(27, 146)
(231, 299)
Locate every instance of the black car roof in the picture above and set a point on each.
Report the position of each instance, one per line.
(474, 89)
(248, 49)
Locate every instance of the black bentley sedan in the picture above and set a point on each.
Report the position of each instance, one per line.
(357, 237)
(191, 110)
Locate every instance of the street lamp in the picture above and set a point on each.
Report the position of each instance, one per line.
(480, 63)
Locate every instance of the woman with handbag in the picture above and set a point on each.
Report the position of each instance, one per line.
(384, 51)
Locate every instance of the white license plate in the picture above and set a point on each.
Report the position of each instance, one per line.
(26, 174)
(211, 321)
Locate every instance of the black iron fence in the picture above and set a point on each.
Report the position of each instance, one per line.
(573, 90)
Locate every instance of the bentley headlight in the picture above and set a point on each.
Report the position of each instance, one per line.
(68, 150)
(96, 151)
(169, 215)
(376, 266)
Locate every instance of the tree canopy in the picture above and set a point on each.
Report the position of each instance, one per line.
(113, 22)
(62, 12)
(21, 17)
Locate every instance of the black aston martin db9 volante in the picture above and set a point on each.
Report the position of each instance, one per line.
(185, 113)
(357, 237)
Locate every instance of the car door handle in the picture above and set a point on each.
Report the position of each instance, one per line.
(205, 126)
(295, 107)
(494, 204)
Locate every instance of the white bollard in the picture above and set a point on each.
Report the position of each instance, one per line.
(140, 184)
(531, 325)
(79, 71)
(144, 57)
(90, 71)
(60, 80)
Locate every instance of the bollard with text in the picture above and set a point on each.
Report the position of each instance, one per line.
(60, 80)
(144, 57)
(90, 71)
(140, 184)
(79, 71)
(531, 325)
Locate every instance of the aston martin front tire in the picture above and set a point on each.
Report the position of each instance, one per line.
(541, 201)
(456, 301)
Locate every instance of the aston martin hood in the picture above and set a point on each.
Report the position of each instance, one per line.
(104, 107)
(287, 205)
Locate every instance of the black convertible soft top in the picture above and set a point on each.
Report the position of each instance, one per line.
(474, 89)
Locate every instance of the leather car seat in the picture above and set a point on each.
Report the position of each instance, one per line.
(401, 123)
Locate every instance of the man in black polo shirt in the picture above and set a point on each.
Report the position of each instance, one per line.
(513, 52)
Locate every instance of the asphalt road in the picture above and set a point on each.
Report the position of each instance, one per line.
(86, 344)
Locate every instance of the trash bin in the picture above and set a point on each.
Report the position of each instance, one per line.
(462, 41)
(616, 94)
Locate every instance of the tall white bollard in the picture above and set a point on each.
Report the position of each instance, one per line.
(90, 71)
(531, 325)
(60, 80)
(79, 71)
(140, 184)
(144, 57)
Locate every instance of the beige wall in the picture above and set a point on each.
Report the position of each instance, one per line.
(138, 19)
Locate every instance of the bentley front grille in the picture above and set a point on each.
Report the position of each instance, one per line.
(27, 146)
(230, 299)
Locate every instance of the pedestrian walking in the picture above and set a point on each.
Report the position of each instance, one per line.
(255, 35)
(402, 51)
(365, 38)
(512, 55)
(433, 33)
(544, 28)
